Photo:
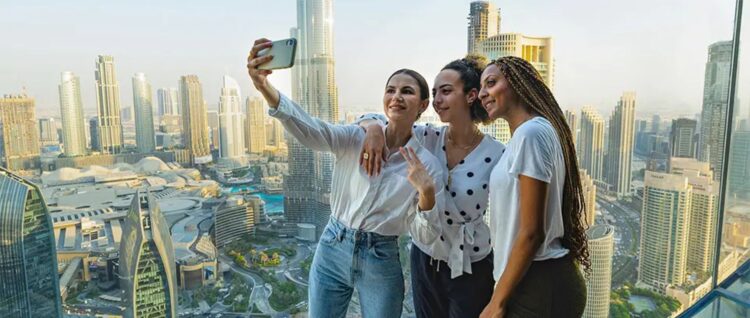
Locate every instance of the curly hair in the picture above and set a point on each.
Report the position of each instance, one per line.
(528, 84)
(470, 68)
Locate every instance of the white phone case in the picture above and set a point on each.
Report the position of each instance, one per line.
(283, 54)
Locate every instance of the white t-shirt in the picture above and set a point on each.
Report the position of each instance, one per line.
(533, 151)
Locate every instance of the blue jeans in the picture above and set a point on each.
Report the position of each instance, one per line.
(347, 259)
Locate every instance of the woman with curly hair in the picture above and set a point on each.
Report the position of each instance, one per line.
(536, 199)
(452, 276)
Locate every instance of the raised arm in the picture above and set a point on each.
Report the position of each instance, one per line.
(312, 132)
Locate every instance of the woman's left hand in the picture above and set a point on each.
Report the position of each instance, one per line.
(418, 176)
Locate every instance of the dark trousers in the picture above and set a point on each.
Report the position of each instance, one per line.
(550, 288)
(437, 295)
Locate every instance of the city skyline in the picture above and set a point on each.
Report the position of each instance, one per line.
(224, 175)
(679, 79)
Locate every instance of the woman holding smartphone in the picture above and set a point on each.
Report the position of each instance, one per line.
(537, 203)
(358, 248)
(464, 286)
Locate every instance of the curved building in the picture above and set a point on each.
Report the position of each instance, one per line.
(232, 220)
(147, 262)
(599, 283)
(29, 284)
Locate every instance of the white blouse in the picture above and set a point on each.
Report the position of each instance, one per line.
(385, 204)
(465, 236)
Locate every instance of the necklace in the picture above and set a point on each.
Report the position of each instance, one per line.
(471, 145)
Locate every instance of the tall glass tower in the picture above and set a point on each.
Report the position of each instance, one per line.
(144, 114)
(29, 285)
(71, 110)
(147, 261)
(307, 190)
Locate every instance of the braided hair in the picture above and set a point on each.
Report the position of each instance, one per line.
(528, 84)
(470, 68)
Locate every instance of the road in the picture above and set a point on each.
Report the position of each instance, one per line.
(627, 228)
(259, 295)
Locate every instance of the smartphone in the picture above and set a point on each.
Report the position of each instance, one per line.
(283, 54)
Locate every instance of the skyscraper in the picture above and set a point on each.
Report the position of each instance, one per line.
(71, 110)
(665, 221)
(231, 134)
(590, 145)
(147, 261)
(48, 132)
(169, 102)
(589, 195)
(704, 210)
(314, 87)
(484, 22)
(621, 142)
(715, 103)
(682, 136)
(572, 120)
(108, 105)
(144, 114)
(536, 50)
(599, 282)
(213, 129)
(274, 134)
(194, 119)
(739, 156)
(94, 134)
(655, 123)
(29, 284)
(20, 135)
(256, 127)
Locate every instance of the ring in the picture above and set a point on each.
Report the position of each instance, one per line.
(366, 156)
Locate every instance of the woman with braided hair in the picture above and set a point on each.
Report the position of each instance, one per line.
(536, 197)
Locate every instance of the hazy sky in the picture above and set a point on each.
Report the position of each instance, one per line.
(657, 48)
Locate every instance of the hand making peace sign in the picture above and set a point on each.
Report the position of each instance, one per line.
(418, 176)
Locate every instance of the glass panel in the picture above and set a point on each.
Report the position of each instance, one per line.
(736, 233)
(722, 307)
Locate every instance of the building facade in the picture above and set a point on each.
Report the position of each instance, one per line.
(484, 22)
(144, 114)
(599, 282)
(194, 120)
(108, 105)
(71, 111)
(715, 103)
(231, 134)
(256, 127)
(590, 145)
(621, 143)
(307, 188)
(147, 261)
(20, 135)
(29, 285)
(234, 219)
